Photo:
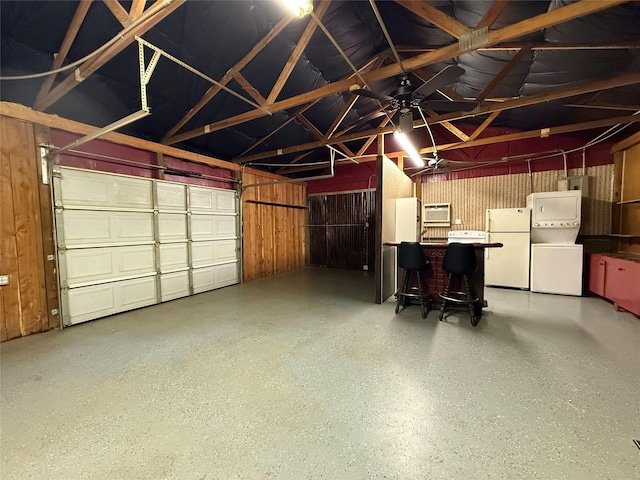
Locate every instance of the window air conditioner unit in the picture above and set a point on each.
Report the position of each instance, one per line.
(437, 215)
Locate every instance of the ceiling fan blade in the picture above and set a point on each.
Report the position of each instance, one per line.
(447, 106)
(441, 79)
(371, 94)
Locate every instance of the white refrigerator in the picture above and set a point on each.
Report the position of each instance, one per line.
(508, 266)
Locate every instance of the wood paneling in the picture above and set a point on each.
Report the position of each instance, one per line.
(42, 136)
(392, 184)
(24, 300)
(470, 198)
(273, 231)
(629, 207)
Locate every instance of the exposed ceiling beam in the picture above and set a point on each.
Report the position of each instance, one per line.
(343, 113)
(542, 21)
(431, 14)
(493, 13)
(250, 89)
(137, 7)
(297, 53)
(295, 160)
(476, 133)
(214, 89)
(72, 31)
(606, 106)
(540, 133)
(118, 11)
(449, 126)
(512, 137)
(626, 143)
(158, 11)
(277, 129)
(318, 134)
(539, 22)
(536, 46)
(494, 107)
(502, 74)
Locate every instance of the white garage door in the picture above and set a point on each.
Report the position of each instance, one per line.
(126, 242)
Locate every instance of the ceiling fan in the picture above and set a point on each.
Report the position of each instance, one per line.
(408, 96)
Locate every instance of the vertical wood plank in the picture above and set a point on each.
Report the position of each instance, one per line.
(11, 313)
(43, 136)
(26, 204)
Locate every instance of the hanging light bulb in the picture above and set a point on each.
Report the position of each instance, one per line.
(300, 8)
(406, 145)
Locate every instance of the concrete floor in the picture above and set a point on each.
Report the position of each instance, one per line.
(301, 376)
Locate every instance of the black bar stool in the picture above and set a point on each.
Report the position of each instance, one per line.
(460, 259)
(411, 259)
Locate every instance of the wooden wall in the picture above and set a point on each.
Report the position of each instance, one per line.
(273, 230)
(26, 235)
(469, 198)
(392, 184)
(628, 196)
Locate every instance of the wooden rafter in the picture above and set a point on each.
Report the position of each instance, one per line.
(476, 133)
(118, 11)
(502, 74)
(431, 14)
(374, 62)
(297, 52)
(493, 13)
(626, 143)
(318, 134)
(137, 7)
(213, 90)
(605, 106)
(250, 89)
(277, 129)
(449, 126)
(341, 116)
(576, 127)
(161, 9)
(524, 27)
(372, 138)
(622, 80)
(72, 31)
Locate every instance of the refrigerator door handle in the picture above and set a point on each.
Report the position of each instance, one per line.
(486, 250)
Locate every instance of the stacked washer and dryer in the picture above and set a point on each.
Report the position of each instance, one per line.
(556, 260)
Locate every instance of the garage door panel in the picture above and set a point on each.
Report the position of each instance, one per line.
(209, 278)
(174, 285)
(211, 200)
(173, 256)
(94, 189)
(171, 196)
(89, 265)
(226, 274)
(87, 303)
(211, 227)
(87, 227)
(213, 252)
(172, 226)
(127, 242)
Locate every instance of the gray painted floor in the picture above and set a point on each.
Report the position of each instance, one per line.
(301, 376)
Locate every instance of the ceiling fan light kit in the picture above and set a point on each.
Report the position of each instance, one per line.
(408, 147)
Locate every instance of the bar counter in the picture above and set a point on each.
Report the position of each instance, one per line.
(436, 277)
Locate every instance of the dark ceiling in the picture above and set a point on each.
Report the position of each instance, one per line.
(556, 57)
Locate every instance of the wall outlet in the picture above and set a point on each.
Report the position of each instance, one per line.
(365, 267)
(457, 221)
(4, 280)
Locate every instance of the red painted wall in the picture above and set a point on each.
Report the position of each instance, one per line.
(494, 157)
(127, 160)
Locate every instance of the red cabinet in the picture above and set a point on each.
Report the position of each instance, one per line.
(597, 274)
(617, 277)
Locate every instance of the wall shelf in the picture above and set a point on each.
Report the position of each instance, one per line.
(626, 202)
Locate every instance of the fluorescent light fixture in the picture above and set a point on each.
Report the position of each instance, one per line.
(406, 144)
(300, 8)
